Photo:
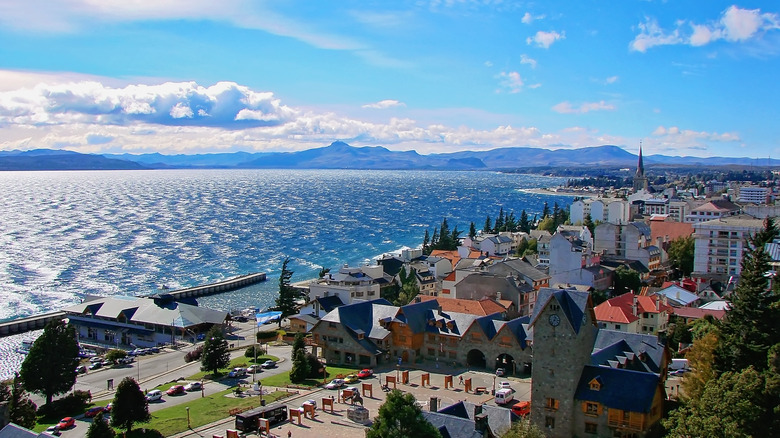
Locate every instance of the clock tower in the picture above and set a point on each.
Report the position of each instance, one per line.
(564, 331)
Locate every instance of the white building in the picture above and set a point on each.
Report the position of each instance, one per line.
(754, 194)
(600, 209)
(720, 244)
(630, 241)
(712, 210)
(350, 284)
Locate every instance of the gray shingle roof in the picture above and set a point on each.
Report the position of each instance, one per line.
(149, 311)
(573, 304)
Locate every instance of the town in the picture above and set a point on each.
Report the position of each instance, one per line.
(586, 322)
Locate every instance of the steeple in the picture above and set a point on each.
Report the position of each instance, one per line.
(640, 181)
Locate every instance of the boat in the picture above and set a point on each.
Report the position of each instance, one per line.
(25, 347)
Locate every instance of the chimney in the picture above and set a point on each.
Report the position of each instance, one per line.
(633, 306)
(657, 303)
(481, 424)
(434, 404)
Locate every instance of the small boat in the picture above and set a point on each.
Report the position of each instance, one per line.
(25, 347)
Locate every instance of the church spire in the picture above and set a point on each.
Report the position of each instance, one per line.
(640, 180)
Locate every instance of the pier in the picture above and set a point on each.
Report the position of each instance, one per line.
(37, 322)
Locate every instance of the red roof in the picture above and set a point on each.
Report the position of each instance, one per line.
(483, 307)
(621, 308)
(697, 313)
(669, 230)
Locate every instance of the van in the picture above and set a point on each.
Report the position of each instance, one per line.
(522, 408)
(504, 396)
(678, 364)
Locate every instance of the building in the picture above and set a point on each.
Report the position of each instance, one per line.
(542, 246)
(630, 241)
(467, 420)
(634, 314)
(714, 209)
(754, 194)
(572, 261)
(719, 245)
(613, 210)
(640, 180)
(130, 322)
(351, 284)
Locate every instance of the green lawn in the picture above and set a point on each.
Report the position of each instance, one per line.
(240, 361)
(283, 379)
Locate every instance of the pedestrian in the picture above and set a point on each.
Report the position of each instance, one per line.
(289, 433)
(461, 380)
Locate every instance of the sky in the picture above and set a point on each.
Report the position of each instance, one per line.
(683, 77)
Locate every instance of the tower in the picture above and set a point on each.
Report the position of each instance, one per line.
(564, 334)
(640, 180)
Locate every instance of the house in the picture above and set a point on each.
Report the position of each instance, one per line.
(589, 381)
(480, 285)
(719, 245)
(129, 322)
(572, 261)
(521, 268)
(320, 306)
(666, 231)
(542, 246)
(11, 430)
(613, 210)
(678, 297)
(690, 314)
(628, 241)
(352, 283)
(715, 209)
(482, 307)
(467, 420)
(490, 244)
(302, 323)
(634, 314)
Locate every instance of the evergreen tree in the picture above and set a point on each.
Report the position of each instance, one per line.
(426, 241)
(50, 367)
(21, 410)
(521, 248)
(300, 365)
(400, 417)
(545, 210)
(499, 226)
(587, 221)
(323, 272)
(100, 428)
(488, 227)
(216, 354)
(129, 405)
(547, 224)
(510, 223)
(472, 231)
(556, 214)
(288, 295)
(627, 280)
(524, 225)
(681, 255)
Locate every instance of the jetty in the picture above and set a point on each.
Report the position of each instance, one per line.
(36, 322)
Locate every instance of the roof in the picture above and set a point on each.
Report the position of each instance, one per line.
(483, 307)
(613, 347)
(425, 317)
(499, 419)
(678, 296)
(330, 302)
(573, 304)
(716, 305)
(308, 319)
(718, 205)
(613, 384)
(12, 430)
(520, 266)
(149, 311)
(698, 313)
(451, 426)
(669, 230)
(741, 220)
(620, 308)
(364, 316)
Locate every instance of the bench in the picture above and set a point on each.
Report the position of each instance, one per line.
(480, 390)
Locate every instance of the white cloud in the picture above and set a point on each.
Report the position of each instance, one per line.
(528, 18)
(734, 25)
(568, 108)
(691, 137)
(383, 104)
(545, 39)
(612, 79)
(511, 81)
(525, 59)
(488, 64)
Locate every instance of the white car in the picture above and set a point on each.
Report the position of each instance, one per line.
(500, 372)
(335, 384)
(154, 395)
(504, 385)
(237, 372)
(193, 386)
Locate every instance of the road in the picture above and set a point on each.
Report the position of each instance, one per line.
(168, 366)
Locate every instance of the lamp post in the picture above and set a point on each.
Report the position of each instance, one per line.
(188, 417)
(494, 385)
(254, 370)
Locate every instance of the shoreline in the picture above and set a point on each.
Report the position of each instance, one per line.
(557, 192)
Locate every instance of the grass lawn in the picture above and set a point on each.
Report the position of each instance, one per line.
(170, 421)
(240, 361)
(283, 379)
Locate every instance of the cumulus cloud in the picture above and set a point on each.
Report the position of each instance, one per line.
(545, 39)
(568, 108)
(511, 81)
(734, 25)
(528, 18)
(687, 135)
(525, 59)
(383, 104)
(612, 79)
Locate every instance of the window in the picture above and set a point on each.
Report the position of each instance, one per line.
(431, 352)
(332, 324)
(549, 422)
(555, 307)
(551, 403)
(595, 385)
(617, 326)
(592, 408)
(591, 428)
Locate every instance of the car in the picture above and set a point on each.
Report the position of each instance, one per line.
(335, 384)
(109, 407)
(107, 363)
(351, 378)
(154, 395)
(175, 390)
(522, 408)
(81, 369)
(93, 411)
(310, 402)
(504, 385)
(237, 372)
(353, 389)
(66, 423)
(201, 336)
(255, 368)
(96, 365)
(193, 386)
(52, 430)
(365, 373)
(94, 359)
(269, 364)
(500, 372)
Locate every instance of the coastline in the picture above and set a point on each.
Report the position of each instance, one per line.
(558, 191)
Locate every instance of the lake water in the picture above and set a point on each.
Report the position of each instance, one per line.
(64, 235)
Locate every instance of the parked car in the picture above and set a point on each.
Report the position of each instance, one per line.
(93, 411)
(94, 359)
(335, 384)
(193, 386)
(269, 364)
(96, 365)
(255, 368)
(175, 390)
(365, 373)
(154, 350)
(351, 378)
(109, 407)
(504, 385)
(154, 395)
(500, 372)
(81, 369)
(66, 423)
(52, 430)
(201, 336)
(522, 408)
(237, 372)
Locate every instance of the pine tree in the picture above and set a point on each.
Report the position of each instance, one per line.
(499, 226)
(288, 295)
(100, 428)
(487, 228)
(472, 231)
(556, 214)
(216, 354)
(524, 225)
(587, 221)
(300, 365)
(400, 417)
(545, 210)
(21, 409)
(49, 368)
(129, 405)
(510, 223)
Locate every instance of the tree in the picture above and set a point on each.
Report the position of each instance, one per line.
(288, 295)
(400, 417)
(488, 227)
(545, 210)
(700, 358)
(409, 288)
(524, 225)
(114, 355)
(547, 224)
(50, 367)
(626, 280)
(21, 410)
(472, 231)
(215, 351)
(524, 429)
(521, 247)
(100, 428)
(323, 272)
(587, 221)
(499, 225)
(681, 255)
(300, 365)
(129, 405)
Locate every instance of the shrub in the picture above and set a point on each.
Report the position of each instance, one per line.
(194, 354)
(70, 405)
(267, 336)
(315, 366)
(250, 352)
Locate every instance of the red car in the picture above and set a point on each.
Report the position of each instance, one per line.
(93, 411)
(66, 423)
(175, 390)
(364, 373)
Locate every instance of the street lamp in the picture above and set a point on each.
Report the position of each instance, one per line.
(188, 417)
(254, 370)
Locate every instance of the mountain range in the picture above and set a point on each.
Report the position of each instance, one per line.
(340, 155)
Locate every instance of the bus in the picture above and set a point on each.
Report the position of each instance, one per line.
(248, 421)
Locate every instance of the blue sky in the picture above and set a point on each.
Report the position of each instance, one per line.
(198, 76)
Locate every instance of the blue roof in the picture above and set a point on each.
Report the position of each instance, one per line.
(621, 347)
(620, 389)
(330, 302)
(416, 315)
(517, 327)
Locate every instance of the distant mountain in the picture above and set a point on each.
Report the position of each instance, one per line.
(46, 159)
(339, 155)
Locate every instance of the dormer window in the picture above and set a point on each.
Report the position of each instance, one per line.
(361, 336)
(595, 385)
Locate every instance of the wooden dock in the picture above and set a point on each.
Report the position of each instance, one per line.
(36, 322)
